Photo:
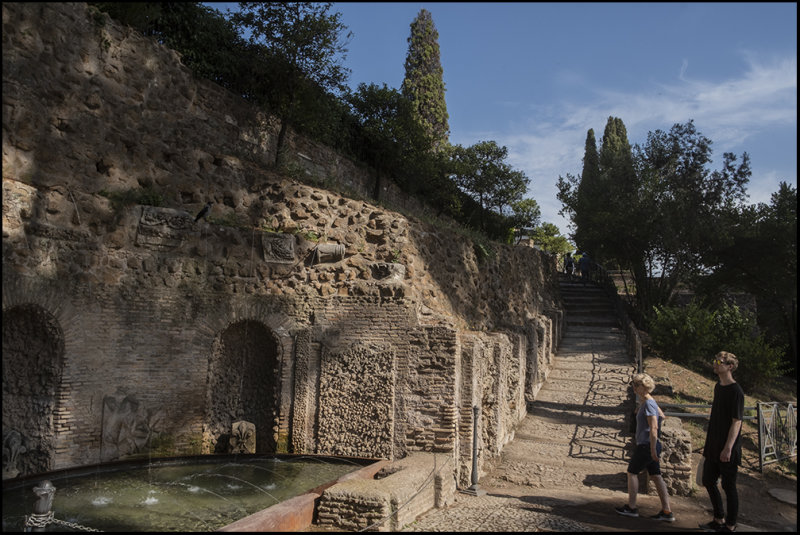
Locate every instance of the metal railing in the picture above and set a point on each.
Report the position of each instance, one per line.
(777, 435)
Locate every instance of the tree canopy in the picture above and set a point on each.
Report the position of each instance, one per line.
(304, 41)
(658, 206)
(482, 173)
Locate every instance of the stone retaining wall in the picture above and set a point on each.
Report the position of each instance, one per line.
(151, 333)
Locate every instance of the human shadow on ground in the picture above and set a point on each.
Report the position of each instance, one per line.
(595, 514)
(608, 481)
(599, 434)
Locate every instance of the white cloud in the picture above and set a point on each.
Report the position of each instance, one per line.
(732, 112)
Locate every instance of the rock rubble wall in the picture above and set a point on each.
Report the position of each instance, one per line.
(376, 346)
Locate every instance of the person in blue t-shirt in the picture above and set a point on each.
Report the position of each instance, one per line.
(648, 450)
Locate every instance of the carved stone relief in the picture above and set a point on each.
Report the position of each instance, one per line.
(162, 228)
(12, 448)
(128, 427)
(278, 248)
(388, 271)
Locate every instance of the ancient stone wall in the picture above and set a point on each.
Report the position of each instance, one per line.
(334, 325)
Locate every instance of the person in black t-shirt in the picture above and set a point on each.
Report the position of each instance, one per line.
(723, 448)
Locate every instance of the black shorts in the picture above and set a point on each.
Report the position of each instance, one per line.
(641, 459)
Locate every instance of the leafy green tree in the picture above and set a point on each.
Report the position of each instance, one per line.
(141, 16)
(392, 138)
(305, 41)
(683, 207)
(683, 334)
(756, 251)
(423, 84)
(735, 330)
(691, 334)
(208, 43)
(615, 201)
(659, 206)
(549, 239)
(482, 173)
(526, 214)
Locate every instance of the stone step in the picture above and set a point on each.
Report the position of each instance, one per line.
(593, 305)
(598, 297)
(589, 346)
(588, 372)
(593, 331)
(591, 321)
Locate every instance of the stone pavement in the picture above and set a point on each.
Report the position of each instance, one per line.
(565, 468)
(573, 437)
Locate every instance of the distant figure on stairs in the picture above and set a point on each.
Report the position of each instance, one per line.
(569, 264)
(585, 266)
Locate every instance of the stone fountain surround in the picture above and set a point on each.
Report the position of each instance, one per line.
(141, 293)
(294, 514)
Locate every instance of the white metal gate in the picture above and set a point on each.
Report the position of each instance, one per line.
(777, 432)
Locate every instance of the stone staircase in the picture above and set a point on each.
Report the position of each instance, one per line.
(575, 434)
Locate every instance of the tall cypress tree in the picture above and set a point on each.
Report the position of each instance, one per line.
(423, 84)
(587, 190)
(616, 198)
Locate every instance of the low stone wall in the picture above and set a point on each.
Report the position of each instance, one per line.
(296, 514)
(676, 460)
(399, 493)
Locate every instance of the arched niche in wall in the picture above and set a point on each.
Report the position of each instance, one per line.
(33, 363)
(244, 383)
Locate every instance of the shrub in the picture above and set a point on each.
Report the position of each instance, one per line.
(736, 331)
(693, 334)
(682, 334)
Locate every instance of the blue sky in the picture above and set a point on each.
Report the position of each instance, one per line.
(535, 77)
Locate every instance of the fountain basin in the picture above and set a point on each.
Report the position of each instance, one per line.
(297, 514)
(201, 493)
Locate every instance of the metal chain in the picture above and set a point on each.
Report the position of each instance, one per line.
(39, 520)
(43, 520)
(73, 525)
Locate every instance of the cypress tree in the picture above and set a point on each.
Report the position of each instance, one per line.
(423, 85)
(617, 198)
(588, 189)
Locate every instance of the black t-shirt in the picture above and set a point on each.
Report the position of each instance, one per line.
(728, 405)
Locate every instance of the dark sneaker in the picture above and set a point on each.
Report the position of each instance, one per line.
(665, 517)
(724, 528)
(626, 511)
(712, 526)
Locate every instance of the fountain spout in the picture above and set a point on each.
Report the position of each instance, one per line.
(243, 437)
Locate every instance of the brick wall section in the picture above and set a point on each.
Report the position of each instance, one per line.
(408, 323)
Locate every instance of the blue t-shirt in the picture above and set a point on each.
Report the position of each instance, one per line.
(648, 408)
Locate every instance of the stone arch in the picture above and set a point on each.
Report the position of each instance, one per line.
(33, 364)
(245, 383)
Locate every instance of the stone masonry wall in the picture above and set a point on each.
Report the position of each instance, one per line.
(336, 326)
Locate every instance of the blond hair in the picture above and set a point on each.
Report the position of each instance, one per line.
(645, 380)
(728, 358)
